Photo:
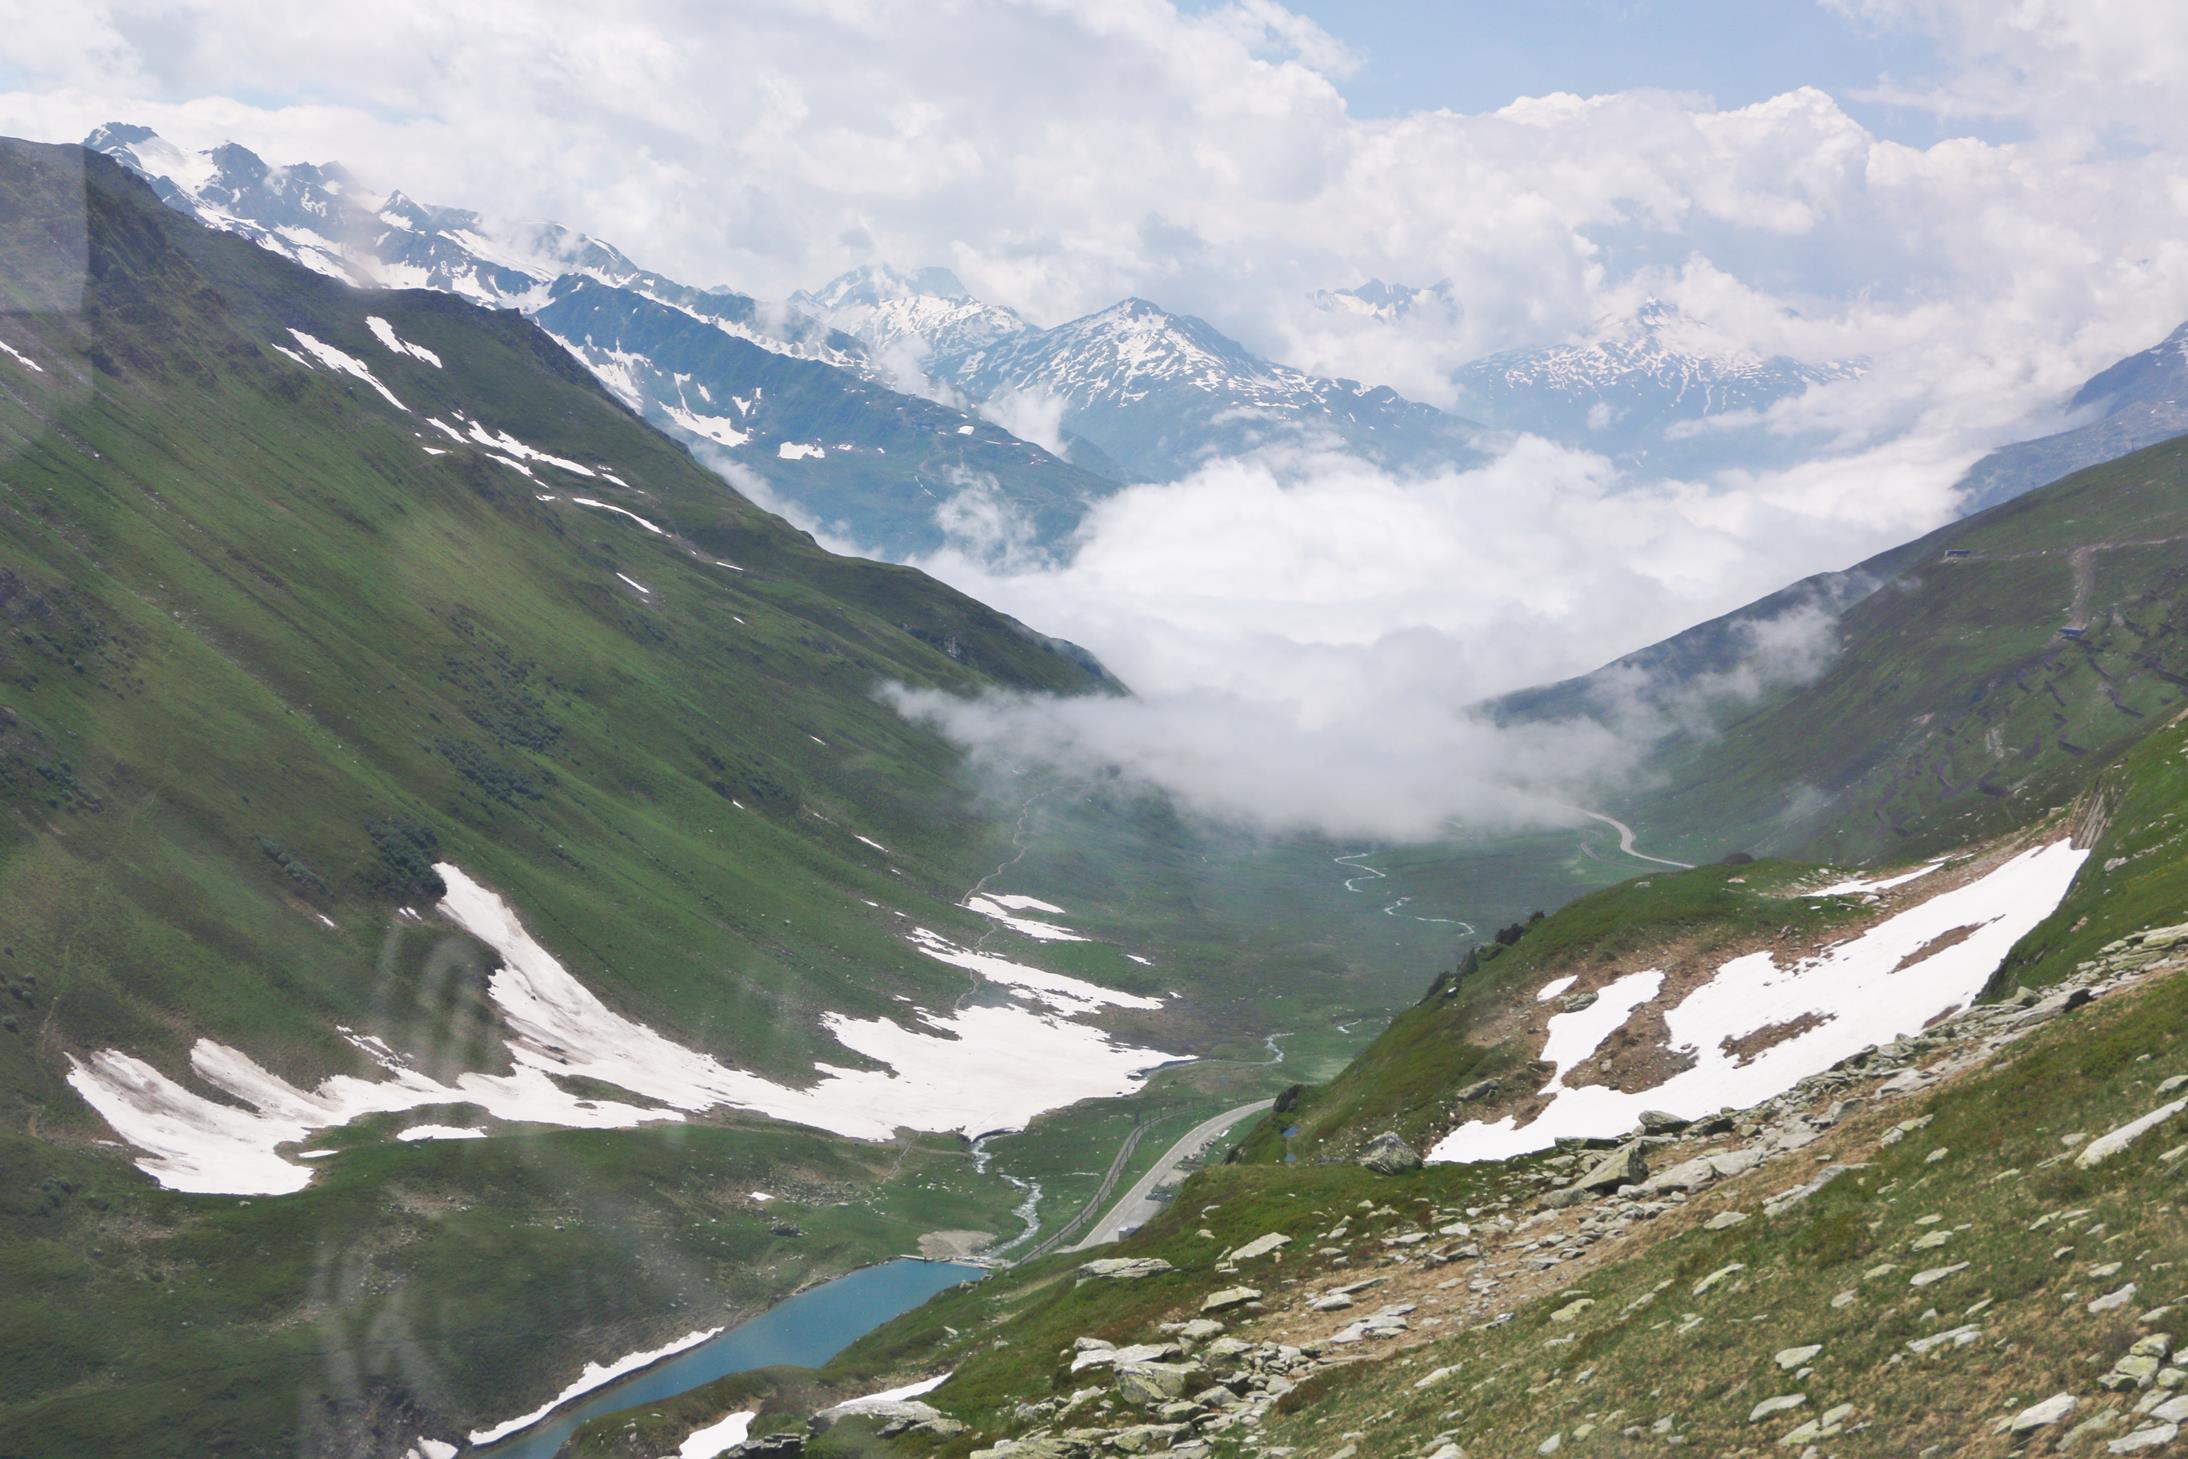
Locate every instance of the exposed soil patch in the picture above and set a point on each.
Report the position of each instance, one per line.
(953, 1245)
(1937, 945)
(1745, 1047)
(1638, 1055)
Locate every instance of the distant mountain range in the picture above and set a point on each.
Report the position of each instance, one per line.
(862, 407)
(790, 410)
(2136, 403)
(1635, 386)
(1158, 393)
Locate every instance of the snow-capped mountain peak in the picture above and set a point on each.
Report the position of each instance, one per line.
(1390, 303)
(1629, 379)
(926, 315)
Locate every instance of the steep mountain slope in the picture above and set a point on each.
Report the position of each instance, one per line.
(355, 641)
(2138, 402)
(836, 449)
(2008, 654)
(677, 354)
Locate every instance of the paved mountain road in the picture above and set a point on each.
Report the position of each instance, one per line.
(1625, 841)
(1135, 1207)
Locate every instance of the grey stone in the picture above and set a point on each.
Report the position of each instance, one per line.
(1124, 1269)
(1389, 1155)
(2042, 1415)
(1228, 1298)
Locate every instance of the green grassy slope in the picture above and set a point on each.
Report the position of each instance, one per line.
(263, 658)
(1941, 675)
(1955, 705)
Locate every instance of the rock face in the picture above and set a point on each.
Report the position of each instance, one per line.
(1389, 1155)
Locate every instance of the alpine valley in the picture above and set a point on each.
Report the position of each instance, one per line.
(478, 943)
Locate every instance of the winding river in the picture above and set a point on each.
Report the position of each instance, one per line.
(807, 1330)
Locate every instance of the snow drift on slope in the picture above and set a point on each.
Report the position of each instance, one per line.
(976, 1070)
(1883, 984)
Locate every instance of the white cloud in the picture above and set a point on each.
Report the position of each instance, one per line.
(1305, 635)
(1031, 415)
(1058, 156)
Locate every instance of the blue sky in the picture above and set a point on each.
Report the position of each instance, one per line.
(1475, 55)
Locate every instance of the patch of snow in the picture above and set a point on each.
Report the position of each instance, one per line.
(636, 583)
(434, 450)
(30, 364)
(1882, 884)
(870, 841)
(1858, 988)
(440, 425)
(431, 1449)
(718, 429)
(998, 909)
(799, 450)
(716, 1438)
(1019, 903)
(347, 364)
(964, 430)
(1574, 1037)
(760, 1196)
(596, 1375)
(1554, 987)
(1143, 962)
(440, 1132)
(1072, 995)
(504, 442)
(976, 1070)
(889, 1395)
(385, 333)
(586, 501)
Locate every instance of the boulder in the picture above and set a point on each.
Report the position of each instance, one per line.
(1770, 1406)
(2105, 1146)
(1626, 1165)
(1229, 1297)
(1261, 1246)
(1148, 1384)
(768, 1446)
(1661, 1122)
(1123, 1269)
(2042, 1415)
(891, 1414)
(1389, 1155)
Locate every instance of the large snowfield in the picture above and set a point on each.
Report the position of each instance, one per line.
(1867, 990)
(979, 1069)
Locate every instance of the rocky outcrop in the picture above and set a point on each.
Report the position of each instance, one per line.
(1389, 1155)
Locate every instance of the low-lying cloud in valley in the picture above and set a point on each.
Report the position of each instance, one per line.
(1308, 638)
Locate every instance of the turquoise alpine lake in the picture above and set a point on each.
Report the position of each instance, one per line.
(807, 1330)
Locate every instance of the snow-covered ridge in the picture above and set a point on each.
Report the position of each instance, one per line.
(317, 216)
(1659, 361)
(975, 1070)
(1924, 960)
